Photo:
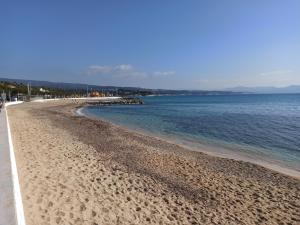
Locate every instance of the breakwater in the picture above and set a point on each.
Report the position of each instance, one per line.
(121, 101)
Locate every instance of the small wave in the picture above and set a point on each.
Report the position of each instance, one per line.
(79, 112)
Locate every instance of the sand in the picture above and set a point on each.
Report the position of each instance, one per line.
(75, 170)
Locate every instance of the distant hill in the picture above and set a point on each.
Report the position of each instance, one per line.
(267, 90)
(235, 90)
(66, 86)
(127, 90)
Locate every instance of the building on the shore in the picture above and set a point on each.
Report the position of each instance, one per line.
(97, 94)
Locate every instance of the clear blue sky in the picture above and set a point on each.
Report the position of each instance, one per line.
(201, 44)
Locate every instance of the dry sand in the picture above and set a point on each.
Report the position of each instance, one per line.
(75, 170)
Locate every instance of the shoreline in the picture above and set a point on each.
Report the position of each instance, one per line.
(76, 170)
(212, 150)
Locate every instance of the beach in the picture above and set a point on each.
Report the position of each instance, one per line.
(77, 170)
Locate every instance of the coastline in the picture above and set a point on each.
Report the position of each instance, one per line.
(209, 149)
(81, 171)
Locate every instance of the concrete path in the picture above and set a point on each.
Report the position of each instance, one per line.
(7, 203)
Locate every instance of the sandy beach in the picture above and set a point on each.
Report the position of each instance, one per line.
(76, 170)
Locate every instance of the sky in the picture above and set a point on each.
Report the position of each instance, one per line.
(173, 44)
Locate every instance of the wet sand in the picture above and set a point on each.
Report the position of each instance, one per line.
(76, 170)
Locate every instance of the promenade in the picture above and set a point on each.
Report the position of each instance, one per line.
(11, 206)
(7, 204)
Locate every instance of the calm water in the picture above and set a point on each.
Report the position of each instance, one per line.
(263, 128)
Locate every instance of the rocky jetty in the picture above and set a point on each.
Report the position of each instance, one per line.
(121, 101)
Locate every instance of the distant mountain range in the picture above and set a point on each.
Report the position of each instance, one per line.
(267, 90)
(235, 90)
(127, 90)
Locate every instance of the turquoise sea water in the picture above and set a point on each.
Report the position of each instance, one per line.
(263, 128)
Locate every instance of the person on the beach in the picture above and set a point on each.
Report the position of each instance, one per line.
(1, 104)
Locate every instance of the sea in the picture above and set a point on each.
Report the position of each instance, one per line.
(258, 128)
